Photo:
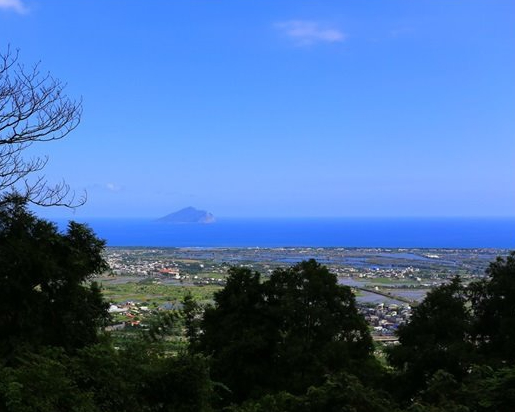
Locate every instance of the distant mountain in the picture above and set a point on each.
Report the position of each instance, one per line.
(188, 215)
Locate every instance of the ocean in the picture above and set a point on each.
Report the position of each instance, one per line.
(323, 232)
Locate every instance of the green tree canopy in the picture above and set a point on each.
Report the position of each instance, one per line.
(319, 330)
(437, 337)
(493, 302)
(44, 299)
(340, 393)
(286, 333)
(458, 326)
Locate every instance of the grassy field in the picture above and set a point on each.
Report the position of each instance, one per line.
(156, 294)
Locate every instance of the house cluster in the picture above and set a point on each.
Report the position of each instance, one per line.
(173, 272)
(122, 265)
(132, 263)
(125, 264)
(127, 314)
(202, 281)
(385, 318)
(407, 273)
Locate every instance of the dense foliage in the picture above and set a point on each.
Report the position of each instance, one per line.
(44, 299)
(53, 356)
(458, 327)
(493, 301)
(437, 337)
(286, 333)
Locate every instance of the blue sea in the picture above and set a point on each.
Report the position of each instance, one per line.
(342, 232)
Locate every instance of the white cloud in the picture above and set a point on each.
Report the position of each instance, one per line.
(306, 33)
(14, 5)
(113, 187)
(105, 187)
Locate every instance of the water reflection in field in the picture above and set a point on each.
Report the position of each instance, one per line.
(369, 297)
(413, 294)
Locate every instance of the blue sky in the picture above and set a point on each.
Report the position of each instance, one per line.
(280, 108)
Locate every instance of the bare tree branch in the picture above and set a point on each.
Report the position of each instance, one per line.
(33, 108)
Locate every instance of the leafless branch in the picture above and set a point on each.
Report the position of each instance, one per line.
(33, 108)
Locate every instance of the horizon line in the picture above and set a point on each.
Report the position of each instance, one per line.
(358, 217)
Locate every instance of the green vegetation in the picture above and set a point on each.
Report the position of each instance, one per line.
(392, 281)
(286, 333)
(156, 293)
(43, 298)
(53, 356)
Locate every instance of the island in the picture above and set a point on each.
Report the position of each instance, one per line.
(188, 215)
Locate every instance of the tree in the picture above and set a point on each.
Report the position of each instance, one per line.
(493, 301)
(340, 393)
(33, 108)
(238, 336)
(286, 333)
(192, 313)
(455, 329)
(100, 378)
(44, 297)
(42, 382)
(178, 384)
(437, 337)
(320, 331)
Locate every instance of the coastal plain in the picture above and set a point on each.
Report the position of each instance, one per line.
(145, 282)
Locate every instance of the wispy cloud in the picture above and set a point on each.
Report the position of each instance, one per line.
(305, 33)
(105, 187)
(14, 5)
(113, 187)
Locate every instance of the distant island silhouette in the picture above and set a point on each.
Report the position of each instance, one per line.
(188, 215)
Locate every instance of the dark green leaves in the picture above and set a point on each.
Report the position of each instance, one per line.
(44, 295)
(286, 333)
